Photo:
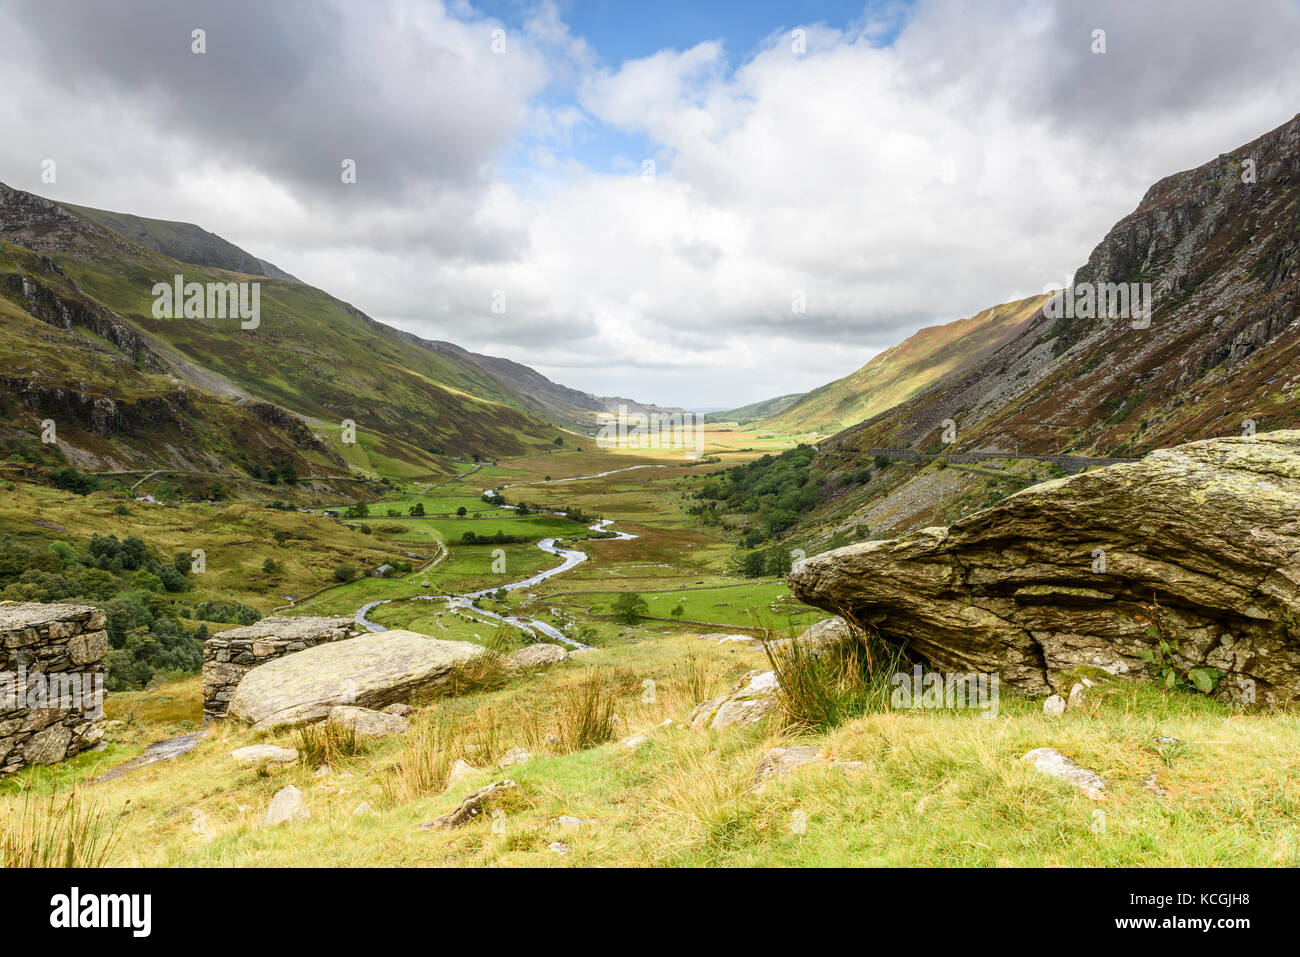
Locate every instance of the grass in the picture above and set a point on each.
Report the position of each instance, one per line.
(56, 830)
(326, 743)
(934, 788)
(822, 688)
(585, 717)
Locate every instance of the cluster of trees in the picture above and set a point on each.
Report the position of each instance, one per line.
(139, 591)
(71, 480)
(274, 474)
(779, 489)
(770, 563)
(470, 538)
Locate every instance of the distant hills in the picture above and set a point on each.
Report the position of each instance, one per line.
(127, 390)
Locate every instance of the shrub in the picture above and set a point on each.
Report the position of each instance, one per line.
(345, 573)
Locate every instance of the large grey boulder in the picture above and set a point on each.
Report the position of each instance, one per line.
(1055, 577)
(370, 672)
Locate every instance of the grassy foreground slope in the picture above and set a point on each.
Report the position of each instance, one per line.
(930, 788)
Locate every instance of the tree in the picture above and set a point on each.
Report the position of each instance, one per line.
(359, 510)
(462, 512)
(269, 566)
(559, 440)
(417, 510)
(678, 610)
(629, 608)
(345, 573)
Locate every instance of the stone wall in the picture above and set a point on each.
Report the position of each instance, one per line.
(51, 682)
(229, 655)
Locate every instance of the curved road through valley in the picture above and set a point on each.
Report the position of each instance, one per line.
(572, 557)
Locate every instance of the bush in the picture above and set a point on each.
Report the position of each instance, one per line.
(345, 573)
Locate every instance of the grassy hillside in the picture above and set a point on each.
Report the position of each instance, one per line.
(130, 390)
(902, 371)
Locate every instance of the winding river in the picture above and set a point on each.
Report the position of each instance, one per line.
(572, 557)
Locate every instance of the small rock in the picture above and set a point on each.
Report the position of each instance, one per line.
(514, 756)
(558, 847)
(401, 710)
(1154, 786)
(322, 772)
(363, 808)
(569, 821)
(1167, 742)
(366, 723)
(1052, 762)
(259, 754)
(1077, 695)
(780, 762)
(287, 805)
(245, 808)
(202, 827)
(1054, 706)
(542, 655)
(471, 807)
(459, 772)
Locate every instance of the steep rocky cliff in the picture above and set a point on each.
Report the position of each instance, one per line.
(1220, 246)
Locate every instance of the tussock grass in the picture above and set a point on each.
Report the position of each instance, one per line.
(55, 831)
(423, 766)
(483, 673)
(822, 688)
(326, 743)
(584, 714)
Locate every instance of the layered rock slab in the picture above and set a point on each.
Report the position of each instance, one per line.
(1055, 577)
(371, 671)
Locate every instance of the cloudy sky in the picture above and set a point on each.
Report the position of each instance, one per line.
(645, 187)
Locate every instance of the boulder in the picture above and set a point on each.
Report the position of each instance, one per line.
(460, 770)
(365, 723)
(541, 655)
(261, 754)
(371, 671)
(514, 756)
(1055, 577)
(779, 762)
(287, 805)
(751, 701)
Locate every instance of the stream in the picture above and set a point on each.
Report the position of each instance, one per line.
(572, 557)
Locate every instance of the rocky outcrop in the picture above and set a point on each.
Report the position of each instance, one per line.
(51, 682)
(370, 672)
(229, 655)
(753, 699)
(1199, 542)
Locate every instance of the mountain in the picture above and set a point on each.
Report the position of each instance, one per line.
(902, 371)
(756, 410)
(571, 406)
(183, 241)
(128, 390)
(1220, 247)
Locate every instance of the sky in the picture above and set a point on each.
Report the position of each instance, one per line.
(690, 203)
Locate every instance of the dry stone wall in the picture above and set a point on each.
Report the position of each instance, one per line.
(51, 682)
